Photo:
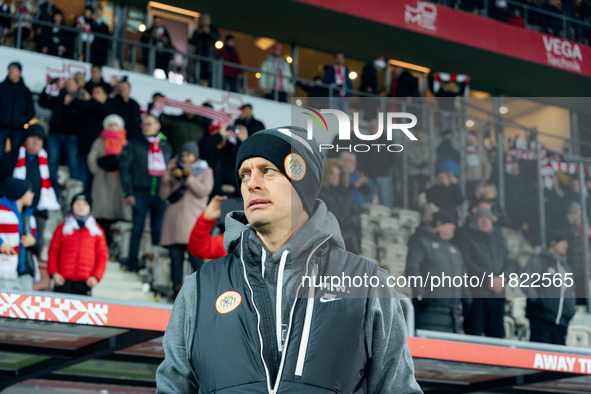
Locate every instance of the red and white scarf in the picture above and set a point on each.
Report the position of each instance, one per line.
(156, 164)
(47, 199)
(10, 234)
(71, 224)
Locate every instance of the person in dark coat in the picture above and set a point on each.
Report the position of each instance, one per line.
(448, 158)
(34, 140)
(128, 109)
(446, 194)
(433, 253)
(183, 128)
(246, 119)
(335, 195)
(141, 167)
(229, 54)
(16, 107)
(550, 308)
(96, 79)
(56, 41)
(158, 36)
(484, 253)
(100, 45)
(203, 41)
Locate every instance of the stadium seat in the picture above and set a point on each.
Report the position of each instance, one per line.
(578, 336)
(368, 249)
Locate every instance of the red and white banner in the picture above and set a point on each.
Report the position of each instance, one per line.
(471, 30)
(204, 111)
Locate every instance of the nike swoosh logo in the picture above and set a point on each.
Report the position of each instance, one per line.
(329, 299)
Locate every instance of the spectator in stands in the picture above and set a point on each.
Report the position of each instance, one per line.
(376, 166)
(573, 193)
(358, 188)
(425, 227)
(404, 84)
(27, 11)
(498, 9)
(84, 24)
(157, 36)
(448, 158)
(155, 97)
(186, 187)
(522, 211)
(47, 10)
(100, 46)
(516, 19)
(16, 107)
(418, 154)
(282, 224)
(96, 79)
(107, 191)
(201, 243)
(246, 119)
(576, 254)
(550, 308)
(335, 182)
(53, 40)
(78, 251)
(94, 112)
(64, 125)
(493, 159)
(142, 166)
(338, 75)
(18, 243)
(434, 254)
(229, 53)
(478, 168)
(553, 24)
(484, 253)
(30, 162)
(446, 194)
(370, 82)
(180, 129)
(129, 109)
(276, 76)
(219, 150)
(203, 41)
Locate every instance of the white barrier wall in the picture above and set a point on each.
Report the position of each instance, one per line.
(39, 69)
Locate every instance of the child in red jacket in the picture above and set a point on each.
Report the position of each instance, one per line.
(78, 252)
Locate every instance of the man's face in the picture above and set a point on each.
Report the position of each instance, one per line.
(484, 223)
(339, 59)
(80, 208)
(33, 144)
(246, 113)
(350, 162)
(71, 86)
(204, 21)
(96, 75)
(124, 89)
(150, 126)
(575, 186)
(27, 199)
(14, 74)
(561, 247)
(442, 179)
(490, 192)
(269, 199)
(98, 93)
(87, 13)
(446, 231)
(98, 12)
(230, 43)
(335, 176)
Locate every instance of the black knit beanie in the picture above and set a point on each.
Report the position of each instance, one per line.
(15, 188)
(80, 196)
(298, 158)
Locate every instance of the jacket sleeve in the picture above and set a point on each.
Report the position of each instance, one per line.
(93, 156)
(288, 85)
(101, 255)
(45, 100)
(265, 79)
(54, 250)
(201, 186)
(166, 188)
(125, 169)
(202, 244)
(391, 368)
(175, 374)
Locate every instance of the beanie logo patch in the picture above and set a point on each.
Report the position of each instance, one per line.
(295, 167)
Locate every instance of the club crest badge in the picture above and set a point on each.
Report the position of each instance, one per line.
(295, 166)
(227, 302)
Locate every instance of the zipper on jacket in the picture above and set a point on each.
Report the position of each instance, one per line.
(307, 325)
(562, 290)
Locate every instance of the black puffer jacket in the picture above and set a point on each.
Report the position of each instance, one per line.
(483, 253)
(16, 105)
(548, 302)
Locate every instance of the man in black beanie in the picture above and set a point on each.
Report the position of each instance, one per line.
(255, 313)
(433, 253)
(551, 305)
